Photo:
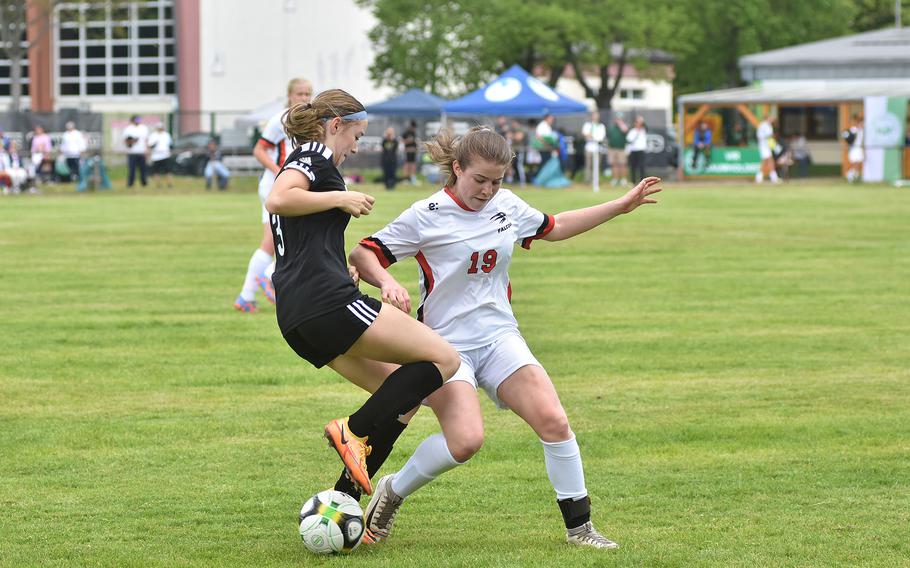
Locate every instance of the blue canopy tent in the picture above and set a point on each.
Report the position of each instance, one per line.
(413, 103)
(515, 93)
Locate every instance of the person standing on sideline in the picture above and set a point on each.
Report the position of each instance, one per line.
(616, 150)
(701, 144)
(637, 140)
(765, 136)
(135, 137)
(322, 314)
(41, 149)
(271, 151)
(545, 140)
(853, 136)
(160, 143)
(389, 158)
(594, 133)
(466, 297)
(409, 138)
(72, 146)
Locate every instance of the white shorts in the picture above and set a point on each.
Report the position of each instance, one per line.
(855, 155)
(490, 365)
(265, 188)
(764, 151)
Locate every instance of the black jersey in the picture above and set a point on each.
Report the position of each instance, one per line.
(311, 271)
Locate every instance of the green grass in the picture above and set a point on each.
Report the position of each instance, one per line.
(735, 362)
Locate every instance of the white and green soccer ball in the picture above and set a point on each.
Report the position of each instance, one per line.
(331, 522)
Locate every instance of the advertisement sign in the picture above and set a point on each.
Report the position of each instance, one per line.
(724, 161)
(883, 131)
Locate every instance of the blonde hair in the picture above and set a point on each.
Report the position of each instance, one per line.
(305, 122)
(294, 82)
(481, 142)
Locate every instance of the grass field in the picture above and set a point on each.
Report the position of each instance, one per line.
(735, 362)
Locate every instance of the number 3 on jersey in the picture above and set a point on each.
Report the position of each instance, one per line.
(279, 236)
(489, 262)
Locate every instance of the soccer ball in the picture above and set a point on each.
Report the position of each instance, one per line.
(331, 522)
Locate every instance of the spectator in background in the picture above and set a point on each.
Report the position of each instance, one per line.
(545, 139)
(594, 133)
(389, 158)
(799, 152)
(616, 150)
(41, 149)
(135, 137)
(519, 140)
(214, 168)
(409, 138)
(701, 144)
(72, 146)
(502, 127)
(637, 140)
(853, 136)
(160, 143)
(14, 175)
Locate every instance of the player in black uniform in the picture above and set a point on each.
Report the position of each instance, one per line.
(321, 312)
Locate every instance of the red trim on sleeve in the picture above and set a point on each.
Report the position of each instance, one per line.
(544, 230)
(265, 144)
(457, 201)
(374, 248)
(509, 292)
(282, 154)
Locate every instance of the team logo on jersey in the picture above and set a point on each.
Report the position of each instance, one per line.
(500, 216)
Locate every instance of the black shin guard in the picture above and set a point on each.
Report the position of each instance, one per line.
(381, 441)
(400, 392)
(575, 513)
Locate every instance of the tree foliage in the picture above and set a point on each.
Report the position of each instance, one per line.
(453, 47)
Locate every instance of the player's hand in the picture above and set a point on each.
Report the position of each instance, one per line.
(397, 295)
(355, 276)
(638, 195)
(356, 203)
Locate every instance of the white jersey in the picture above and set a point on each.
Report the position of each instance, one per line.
(160, 143)
(277, 147)
(463, 257)
(764, 133)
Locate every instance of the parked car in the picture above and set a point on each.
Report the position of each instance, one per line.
(190, 154)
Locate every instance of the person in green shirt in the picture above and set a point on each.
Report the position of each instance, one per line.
(616, 149)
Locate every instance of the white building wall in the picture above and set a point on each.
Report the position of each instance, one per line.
(249, 50)
(658, 95)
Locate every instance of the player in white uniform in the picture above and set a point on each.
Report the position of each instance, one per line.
(765, 135)
(855, 154)
(271, 150)
(462, 238)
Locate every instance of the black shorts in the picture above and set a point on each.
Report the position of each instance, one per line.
(321, 339)
(410, 156)
(160, 167)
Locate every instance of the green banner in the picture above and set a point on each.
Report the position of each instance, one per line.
(724, 161)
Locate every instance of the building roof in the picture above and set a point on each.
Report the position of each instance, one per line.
(795, 92)
(887, 45)
(881, 53)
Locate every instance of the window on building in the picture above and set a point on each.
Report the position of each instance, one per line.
(632, 94)
(109, 49)
(5, 68)
(813, 122)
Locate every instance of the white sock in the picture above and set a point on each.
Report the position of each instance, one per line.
(564, 468)
(258, 263)
(270, 270)
(773, 175)
(758, 177)
(431, 459)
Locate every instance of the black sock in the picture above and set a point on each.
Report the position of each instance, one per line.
(575, 513)
(381, 441)
(399, 393)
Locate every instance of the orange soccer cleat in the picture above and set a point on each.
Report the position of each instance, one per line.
(353, 451)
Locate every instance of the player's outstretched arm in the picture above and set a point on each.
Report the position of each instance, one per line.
(571, 223)
(291, 197)
(372, 272)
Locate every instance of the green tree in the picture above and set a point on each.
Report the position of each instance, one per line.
(726, 31)
(453, 47)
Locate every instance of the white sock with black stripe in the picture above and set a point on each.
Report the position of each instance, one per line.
(563, 461)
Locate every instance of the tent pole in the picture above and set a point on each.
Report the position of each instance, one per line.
(595, 174)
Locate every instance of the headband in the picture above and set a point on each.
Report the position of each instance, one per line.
(362, 115)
